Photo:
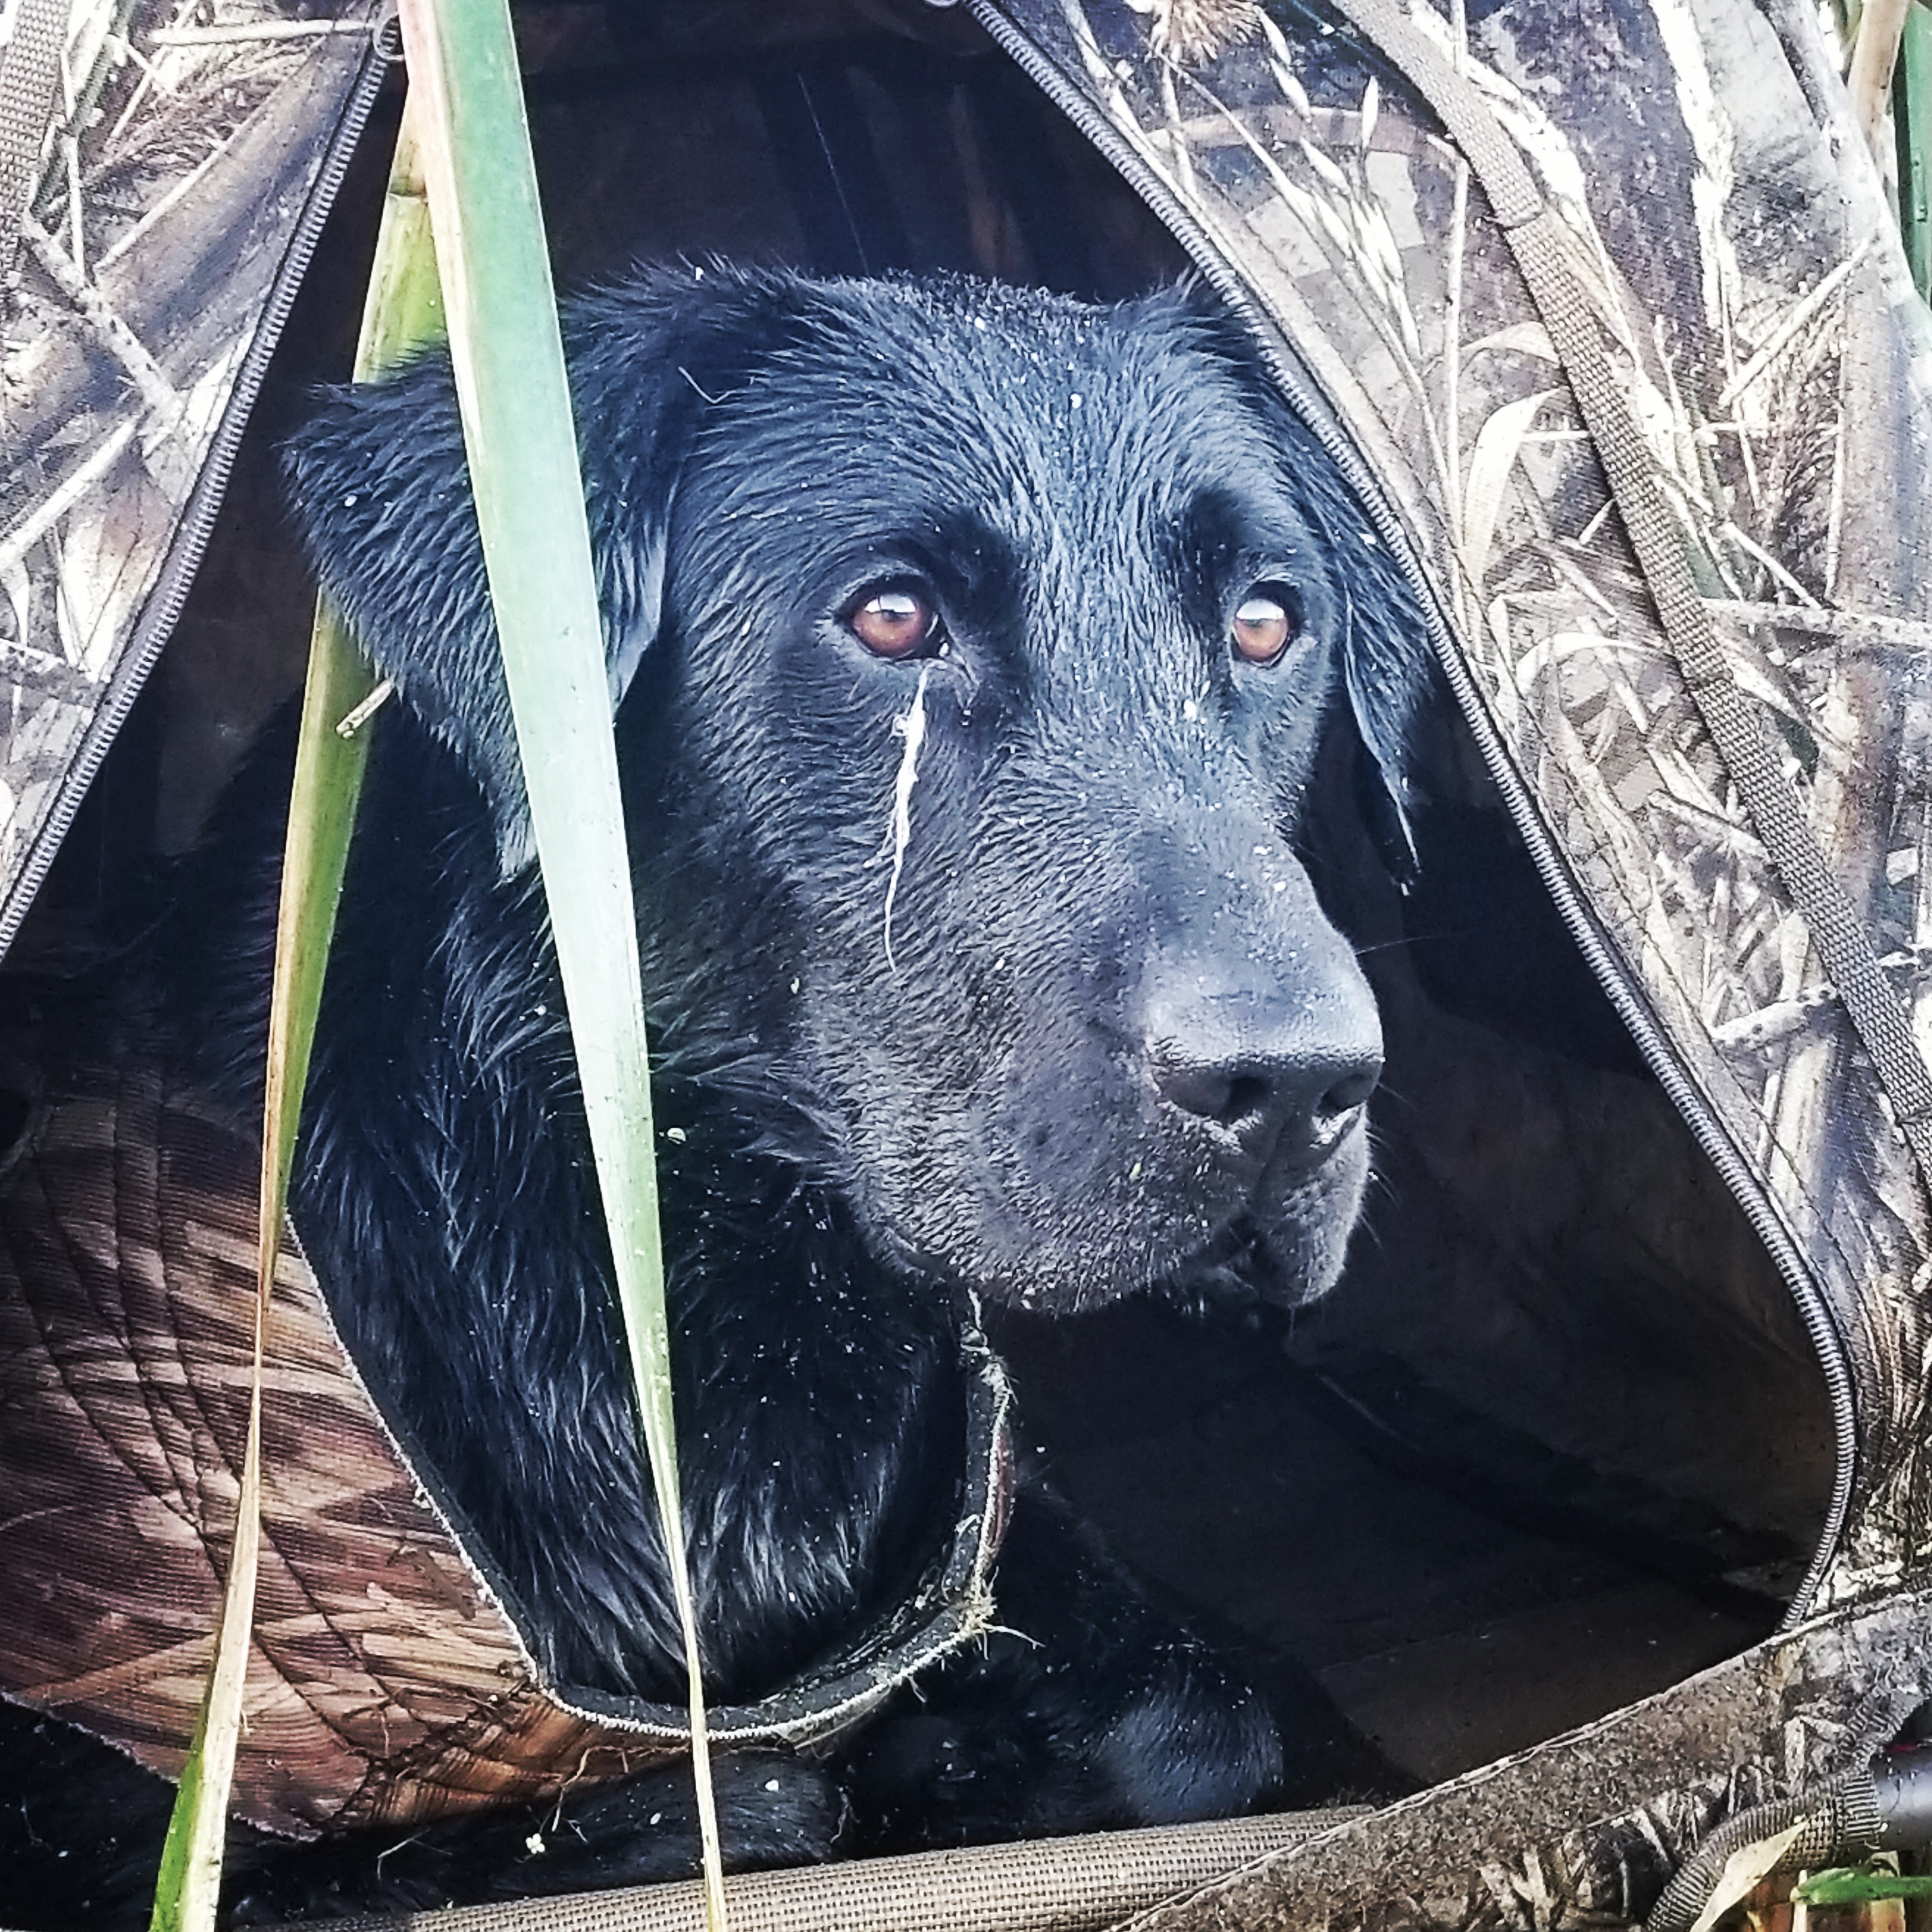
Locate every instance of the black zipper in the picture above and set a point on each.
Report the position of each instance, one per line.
(163, 607)
(1611, 972)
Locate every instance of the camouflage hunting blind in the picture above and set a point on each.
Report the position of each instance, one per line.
(1602, 308)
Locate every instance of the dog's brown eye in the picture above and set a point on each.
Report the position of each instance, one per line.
(1263, 627)
(893, 623)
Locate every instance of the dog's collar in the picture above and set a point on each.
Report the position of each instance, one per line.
(389, 1682)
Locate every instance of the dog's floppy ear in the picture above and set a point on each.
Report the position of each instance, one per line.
(381, 493)
(1394, 685)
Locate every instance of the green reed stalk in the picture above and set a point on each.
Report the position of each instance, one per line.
(508, 354)
(403, 308)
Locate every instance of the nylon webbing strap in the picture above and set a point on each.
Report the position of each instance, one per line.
(29, 84)
(1043, 1885)
(30, 74)
(1737, 727)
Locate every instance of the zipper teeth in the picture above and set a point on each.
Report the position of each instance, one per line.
(164, 604)
(1609, 970)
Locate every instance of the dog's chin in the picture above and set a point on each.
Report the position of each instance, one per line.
(1285, 1245)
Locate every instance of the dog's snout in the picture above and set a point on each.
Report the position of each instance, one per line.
(1284, 1079)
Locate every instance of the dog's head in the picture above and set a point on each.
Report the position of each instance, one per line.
(979, 644)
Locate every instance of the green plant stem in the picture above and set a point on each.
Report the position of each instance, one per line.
(515, 398)
(1849, 1885)
(403, 309)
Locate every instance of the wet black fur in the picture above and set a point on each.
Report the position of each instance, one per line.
(1100, 896)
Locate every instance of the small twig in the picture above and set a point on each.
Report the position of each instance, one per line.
(252, 30)
(351, 722)
(1587, 534)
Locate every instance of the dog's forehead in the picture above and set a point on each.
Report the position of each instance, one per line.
(1019, 399)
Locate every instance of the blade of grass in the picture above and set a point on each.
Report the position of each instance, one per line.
(1851, 1884)
(515, 401)
(1911, 121)
(403, 308)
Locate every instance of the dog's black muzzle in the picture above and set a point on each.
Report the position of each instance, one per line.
(1256, 1022)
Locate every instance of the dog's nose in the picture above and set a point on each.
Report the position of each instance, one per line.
(1284, 1080)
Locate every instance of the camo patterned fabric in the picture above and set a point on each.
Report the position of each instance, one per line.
(1730, 232)
(387, 1682)
(181, 176)
(1732, 238)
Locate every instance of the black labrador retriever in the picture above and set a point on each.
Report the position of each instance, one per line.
(973, 648)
